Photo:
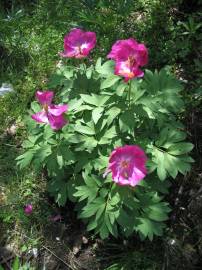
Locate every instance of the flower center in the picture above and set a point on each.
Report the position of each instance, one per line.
(79, 50)
(131, 60)
(45, 107)
(124, 164)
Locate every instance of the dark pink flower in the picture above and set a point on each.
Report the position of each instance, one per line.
(28, 209)
(129, 55)
(127, 164)
(51, 114)
(78, 43)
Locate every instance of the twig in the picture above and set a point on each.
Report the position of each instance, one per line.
(55, 255)
(5, 260)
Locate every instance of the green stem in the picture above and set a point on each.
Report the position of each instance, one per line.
(129, 93)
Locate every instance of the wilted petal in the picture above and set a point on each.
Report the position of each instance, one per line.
(28, 209)
(40, 117)
(44, 97)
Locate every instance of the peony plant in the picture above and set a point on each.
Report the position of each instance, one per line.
(114, 152)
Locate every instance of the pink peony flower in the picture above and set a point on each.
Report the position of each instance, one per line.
(28, 209)
(51, 114)
(129, 55)
(127, 164)
(78, 43)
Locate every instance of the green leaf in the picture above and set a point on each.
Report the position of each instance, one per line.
(48, 132)
(55, 80)
(159, 155)
(24, 248)
(25, 159)
(96, 100)
(52, 165)
(108, 135)
(106, 69)
(100, 211)
(68, 72)
(58, 188)
(60, 160)
(74, 104)
(66, 153)
(84, 129)
(42, 153)
(162, 93)
(115, 199)
(158, 212)
(150, 228)
(16, 264)
(91, 208)
(35, 106)
(167, 162)
(127, 121)
(92, 225)
(96, 114)
(136, 91)
(84, 192)
(121, 88)
(89, 72)
(127, 222)
(180, 148)
(98, 63)
(104, 232)
(112, 114)
(110, 81)
(170, 165)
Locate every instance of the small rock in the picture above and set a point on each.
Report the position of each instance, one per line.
(84, 240)
(12, 130)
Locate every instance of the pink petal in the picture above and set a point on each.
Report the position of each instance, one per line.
(44, 97)
(125, 46)
(57, 110)
(142, 55)
(89, 41)
(70, 52)
(40, 117)
(137, 176)
(56, 122)
(73, 38)
(127, 71)
(138, 72)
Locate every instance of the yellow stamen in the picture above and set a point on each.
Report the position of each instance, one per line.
(124, 164)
